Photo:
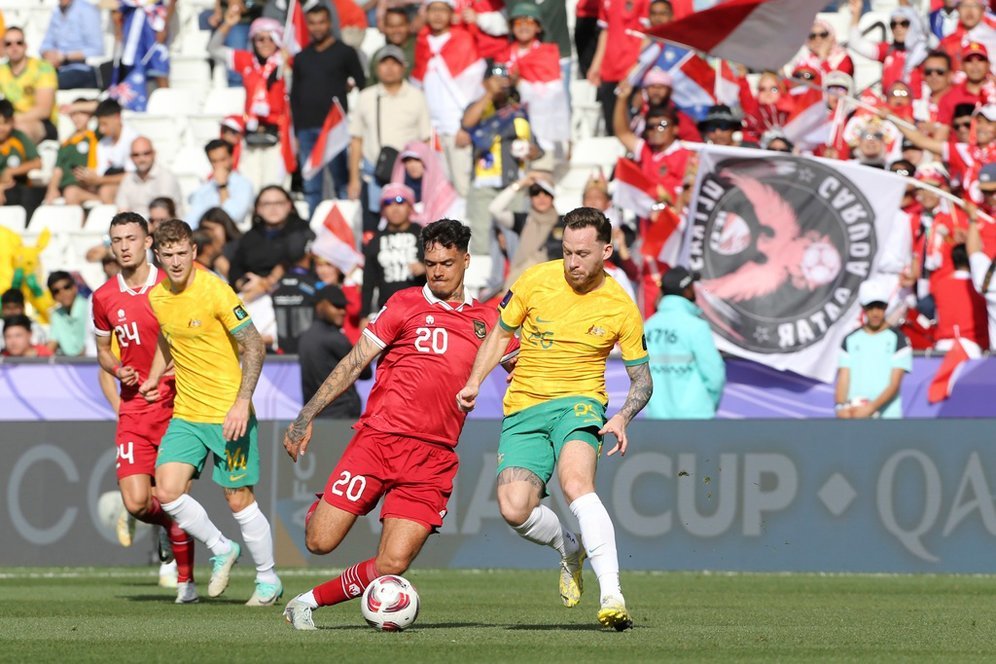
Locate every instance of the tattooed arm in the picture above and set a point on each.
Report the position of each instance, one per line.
(641, 386)
(345, 374)
(251, 351)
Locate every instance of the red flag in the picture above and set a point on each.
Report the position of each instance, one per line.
(296, 36)
(634, 190)
(335, 242)
(333, 140)
(658, 229)
(943, 383)
(762, 34)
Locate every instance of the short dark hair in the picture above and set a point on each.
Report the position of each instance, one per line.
(319, 9)
(669, 112)
(173, 231)
(125, 218)
(58, 276)
(6, 109)
(164, 202)
(216, 143)
(17, 320)
(12, 296)
(107, 108)
(583, 217)
(937, 53)
(959, 256)
(201, 239)
(663, 2)
(217, 215)
(446, 233)
(961, 110)
(400, 11)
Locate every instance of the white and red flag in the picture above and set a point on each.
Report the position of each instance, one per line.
(762, 34)
(333, 140)
(296, 36)
(947, 374)
(542, 91)
(634, 190)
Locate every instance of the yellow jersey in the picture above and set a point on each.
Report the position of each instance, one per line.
(198, 324)
(20, 90)
(566, 337)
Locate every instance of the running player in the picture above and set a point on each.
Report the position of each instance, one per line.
(404, 445)
(205, 330)
(121, 306)
(570, 315)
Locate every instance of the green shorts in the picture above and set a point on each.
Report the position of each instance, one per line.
(533, 437)
(236, 463)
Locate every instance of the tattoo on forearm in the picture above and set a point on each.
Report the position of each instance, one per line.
(510, 475)
(641, 386)
(344, 375)
(252, 352)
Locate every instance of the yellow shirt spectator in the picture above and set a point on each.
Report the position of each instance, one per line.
(20, 90)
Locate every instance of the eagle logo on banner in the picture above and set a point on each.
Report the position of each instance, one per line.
(783, 245)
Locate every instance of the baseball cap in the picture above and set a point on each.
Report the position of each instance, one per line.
(545, 186)
(720, 116)
(838, 79)
(676, 280)
(987, 177)
(394, 190)
(657, 76)
(932, 173)
(392, 51)
(409, 154)
(333, 295)
(988, 112)
(974, 48)
(525, 10)
(449, 3)
(871, 292)
(235, 123)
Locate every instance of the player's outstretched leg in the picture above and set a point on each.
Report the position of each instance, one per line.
(183, 552)
(519, 492)
(599, 538)
(349, 585)
(191, 516)
(258, 537)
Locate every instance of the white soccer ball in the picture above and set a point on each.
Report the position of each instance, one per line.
(109, 506)
(390, 604)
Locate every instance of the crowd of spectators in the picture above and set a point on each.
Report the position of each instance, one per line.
(465, 111)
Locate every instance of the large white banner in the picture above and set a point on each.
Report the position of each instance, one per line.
(783, 243)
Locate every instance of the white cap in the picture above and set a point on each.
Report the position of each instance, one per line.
(872, 291)
(988, 112)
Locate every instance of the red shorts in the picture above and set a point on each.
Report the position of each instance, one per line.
(414, 477)
(137, 438)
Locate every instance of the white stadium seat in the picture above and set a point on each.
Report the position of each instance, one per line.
(58, 219)
(225, 101)
(204, 127)
(173, 101)
(165, 132)
(98, 220)
(597, 151)
(13, 217)
(191, 160)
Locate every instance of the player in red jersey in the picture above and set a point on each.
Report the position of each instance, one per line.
(403, 449)
(121, 306)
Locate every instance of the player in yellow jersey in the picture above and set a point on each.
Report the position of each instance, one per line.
(570, 314)
(204, 330)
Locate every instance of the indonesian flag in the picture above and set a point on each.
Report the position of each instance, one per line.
(457, 66)
(296, 35)
(727, 88)
(762, 34)
(808, 123)
(542, 91)
(333, 140)
(947, 375)
(634, 190)
(336, 243)
(659, 229)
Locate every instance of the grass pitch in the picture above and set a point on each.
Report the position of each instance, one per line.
(108, 615)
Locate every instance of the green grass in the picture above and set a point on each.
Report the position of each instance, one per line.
(482, 616)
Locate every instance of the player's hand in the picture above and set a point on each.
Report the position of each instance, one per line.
(237, 421)
(127, 375)
(617, 427)
(467, 397)
(862, 411)
(297, 438)
(149, 390)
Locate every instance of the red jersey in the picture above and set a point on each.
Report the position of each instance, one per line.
(622, 47)
(666, 167)
(266, 100)
(126, 312)
(429, 347)
(961, 310)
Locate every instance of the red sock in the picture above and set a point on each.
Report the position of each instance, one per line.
(183, 551)
(349, 586)
(156, 515)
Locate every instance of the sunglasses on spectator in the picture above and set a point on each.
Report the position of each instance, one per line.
(773, 89)
(58, 288)
(903, 23)
(819, 35)
(961, 125)
(805, 75)
(397, 200)
(876, 135)
(14, 43)
(899, 93)
(934, 72)
(902, 171)
(147, 153)
(660, 126)
(536, 190)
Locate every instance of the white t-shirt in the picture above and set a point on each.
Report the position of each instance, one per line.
(980, 263)
(116, 155)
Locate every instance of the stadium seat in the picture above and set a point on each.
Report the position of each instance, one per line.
(98, 220)
(165, 132)
(193, 42)
(191, 160)
(186, 67)
(225, 101)
(57, 218)
(204, 127)
(373, 39)
(13, 217)
(68, 96)
(597, 151)
(173, 101)
(476, 277)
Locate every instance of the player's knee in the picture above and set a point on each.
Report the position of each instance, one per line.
(239, 499)
(514, 509)
(317, 543)
(575, 487)
(137, 505)
(392, 563)
(167, 493)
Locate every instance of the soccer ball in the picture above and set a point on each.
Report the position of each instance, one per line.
(109, 506)
(390, 604)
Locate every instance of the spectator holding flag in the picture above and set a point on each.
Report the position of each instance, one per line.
(326, 70)
(141, 30)
(267, 157)
(900, 59)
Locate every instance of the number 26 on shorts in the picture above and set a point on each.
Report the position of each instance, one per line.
(349, 485)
